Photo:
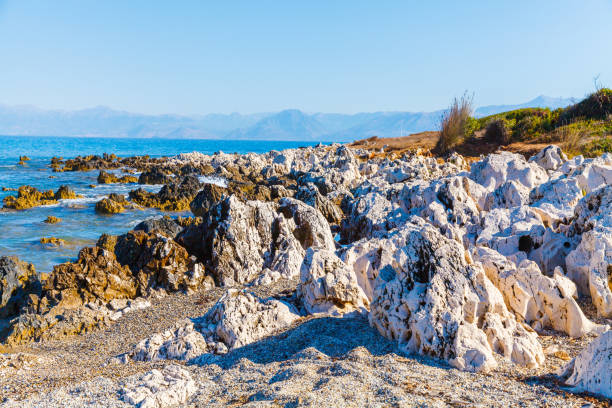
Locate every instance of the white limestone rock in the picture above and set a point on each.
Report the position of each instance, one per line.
(501, 229)
(240, 318)
(591, 370)
(169, 387)
(311, 227)
(452, 204)
(495, 169)
(556, 199)
(591, 174)
(328, 285)
(540, 301)
(590, 264)
(509, 194)
(440, 303)
(549, 158)
(183, 342)
(371, 215)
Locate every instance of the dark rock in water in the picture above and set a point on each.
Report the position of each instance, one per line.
(18, 280)
(64, 193)
(188, 187)
(108, 206)
(52, 220)
(188, 170)
(154, 176)
(175, 196)
(163, 225)
(210, 195)
(28, 197)
(109, 178)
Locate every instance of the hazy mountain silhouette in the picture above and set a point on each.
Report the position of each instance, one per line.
(291, 124)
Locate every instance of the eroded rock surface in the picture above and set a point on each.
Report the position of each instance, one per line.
(438, 302)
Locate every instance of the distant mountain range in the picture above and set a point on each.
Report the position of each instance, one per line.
(289, 124)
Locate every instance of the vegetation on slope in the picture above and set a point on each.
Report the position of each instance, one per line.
(583, 128)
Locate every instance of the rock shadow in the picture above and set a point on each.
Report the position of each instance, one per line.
(332, 336)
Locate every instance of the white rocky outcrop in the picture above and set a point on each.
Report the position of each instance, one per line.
(171, 386)
(590, 173)
(452, 204)
(550, 158)
(438, 302)
(240, 318)
(590, 264)
(495, 169)
(183, 342)
(555, 200)
(591, 370)
(328, 285)
(509, 194)
(540, 301)
(241, 240)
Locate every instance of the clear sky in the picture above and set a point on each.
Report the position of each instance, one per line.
(196, 57)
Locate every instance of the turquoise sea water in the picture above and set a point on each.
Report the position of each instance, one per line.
(21, 230)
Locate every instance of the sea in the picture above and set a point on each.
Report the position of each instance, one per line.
(21, 231)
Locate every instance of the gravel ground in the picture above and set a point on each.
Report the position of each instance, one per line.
(319, 361)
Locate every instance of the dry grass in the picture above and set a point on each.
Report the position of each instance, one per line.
(454, 123)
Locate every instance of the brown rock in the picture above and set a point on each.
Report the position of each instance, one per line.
(108, 206)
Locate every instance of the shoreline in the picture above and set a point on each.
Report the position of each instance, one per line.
(296, 240)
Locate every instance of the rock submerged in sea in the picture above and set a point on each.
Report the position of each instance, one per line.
(108, 206)
(29, 197)
(110, 178)
(175, 196)
(52, 220)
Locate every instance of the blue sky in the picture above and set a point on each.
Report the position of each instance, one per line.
(197, 57)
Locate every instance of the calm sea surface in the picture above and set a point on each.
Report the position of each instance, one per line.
(21, 230)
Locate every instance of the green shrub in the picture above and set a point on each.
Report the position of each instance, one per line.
(528, 127)
(597, 105)
(497, 132)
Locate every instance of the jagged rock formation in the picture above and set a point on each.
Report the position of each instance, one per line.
(328, 285)
(154, 176)
(436, 301)
(467, 263)
(18, 280)
(162, 225)
(240, 240)
(590, 264)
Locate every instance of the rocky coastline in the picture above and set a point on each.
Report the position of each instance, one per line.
(324, 276)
